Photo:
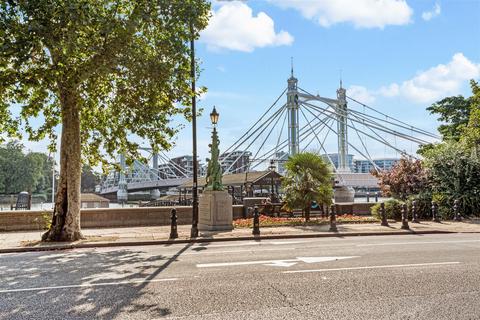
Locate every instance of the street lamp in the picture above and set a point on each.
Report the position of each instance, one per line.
(214, 115)
(194, 230)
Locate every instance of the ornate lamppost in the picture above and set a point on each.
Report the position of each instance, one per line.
(214, 171)
(215, 209)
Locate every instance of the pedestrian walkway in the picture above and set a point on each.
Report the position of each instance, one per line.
(29, 240)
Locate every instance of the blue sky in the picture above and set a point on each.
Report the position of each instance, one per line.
(397, 56)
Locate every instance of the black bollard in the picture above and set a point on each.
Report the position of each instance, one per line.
(376, 196)
(435, 217)
(333, 219)
(256, 222)
(405, 217)
(368, 196)
(173, 225)
(383, 215)
(456, 205)
(414, 212)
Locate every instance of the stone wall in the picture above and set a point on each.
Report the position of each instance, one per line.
(102, 218)
(360, 208)
(131, 217)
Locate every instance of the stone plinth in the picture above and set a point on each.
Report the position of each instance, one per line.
(344, 194)
(215, 211)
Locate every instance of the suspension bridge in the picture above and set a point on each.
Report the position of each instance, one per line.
(297, 121)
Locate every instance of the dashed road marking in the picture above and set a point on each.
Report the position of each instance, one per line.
(412, 265)
(87, 285)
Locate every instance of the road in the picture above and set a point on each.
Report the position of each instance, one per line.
(385, 277)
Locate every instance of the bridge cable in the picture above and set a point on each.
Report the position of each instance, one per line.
(268, 110)
(416, 129)
(317, 107)
(361, 153)
(266, 124)
(278, 114)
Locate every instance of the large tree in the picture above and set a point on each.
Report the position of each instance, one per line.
(105, 70)
(308, 179)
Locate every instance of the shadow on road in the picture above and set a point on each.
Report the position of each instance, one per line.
(41, 271)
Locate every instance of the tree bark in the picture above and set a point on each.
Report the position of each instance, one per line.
(66, 214)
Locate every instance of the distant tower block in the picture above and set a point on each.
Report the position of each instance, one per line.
(292, 106)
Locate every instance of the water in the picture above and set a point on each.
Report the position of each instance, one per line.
(49, 206)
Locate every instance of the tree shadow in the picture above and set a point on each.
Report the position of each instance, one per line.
(134, 269)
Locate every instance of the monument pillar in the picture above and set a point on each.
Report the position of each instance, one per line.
(215, 212)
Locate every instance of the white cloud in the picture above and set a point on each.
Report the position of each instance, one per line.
(361, 94)
(428, 15)
(234, 27)
(361, 13)
(390, 91)
(426, 86)
(436, 82)
(221, 69)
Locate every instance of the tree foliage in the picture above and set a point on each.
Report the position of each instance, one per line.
(308, 179)
(407, 177)
(454, 112)
(23, 172)
(125, 63)
(454, 173)
(471, 133)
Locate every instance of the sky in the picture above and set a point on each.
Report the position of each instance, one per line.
(394, 55)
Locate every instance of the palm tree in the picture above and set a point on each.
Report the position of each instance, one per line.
(308, 179)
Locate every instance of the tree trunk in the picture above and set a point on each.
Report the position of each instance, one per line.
(66, 214)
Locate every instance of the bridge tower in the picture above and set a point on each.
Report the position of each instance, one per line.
(342, 130)
(122, 193)
(154, 193)
(292, 109)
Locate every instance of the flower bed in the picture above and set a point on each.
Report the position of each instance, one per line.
(267, 221)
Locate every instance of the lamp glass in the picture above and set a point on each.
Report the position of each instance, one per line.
(214, 116)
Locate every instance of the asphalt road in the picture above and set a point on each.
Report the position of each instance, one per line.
(385, 277)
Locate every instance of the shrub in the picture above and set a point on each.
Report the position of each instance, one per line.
(407, 177)
(393, 209)
(423, 205)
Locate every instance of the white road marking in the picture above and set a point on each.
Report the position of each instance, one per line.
(235, 251)
(377, 267)
(413, 242)
(86, 285)
(250, 243)
(274, 263)
(281, 263)
(289, 242)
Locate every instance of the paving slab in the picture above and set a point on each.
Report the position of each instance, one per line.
(30, 240)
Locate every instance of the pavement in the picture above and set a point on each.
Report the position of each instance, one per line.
(414, 276)
(29, 241)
